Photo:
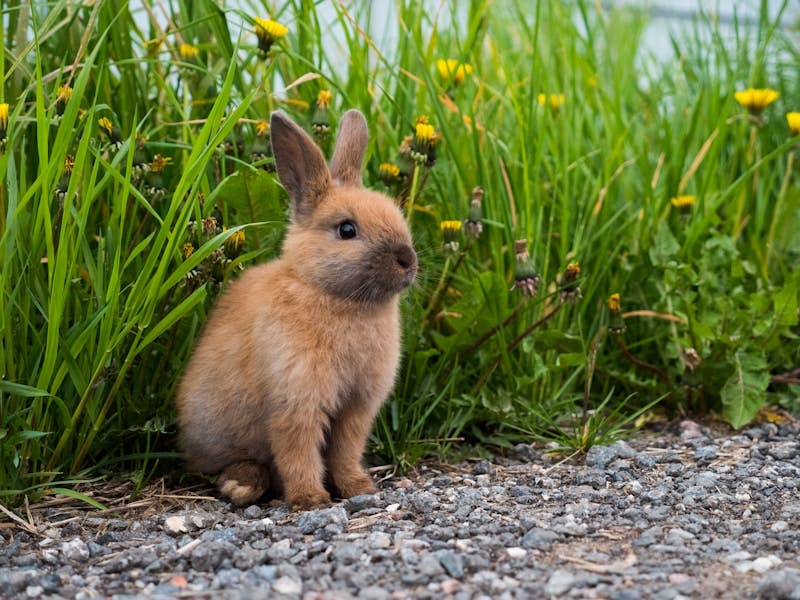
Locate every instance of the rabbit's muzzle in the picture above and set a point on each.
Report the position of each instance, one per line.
(381, 273)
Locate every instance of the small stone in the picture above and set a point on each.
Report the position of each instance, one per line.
(483, 467)
(764, 563)
(779, 526)
(75, 550)
(176, 524)
(314, 520)
(783, 584)
(208, 556)
(287, 586)
(539, 538)
(423, 502)
(560, 582)
(516, 552)
(379, 540)
(254, 511)
(645, 461)
(706, 453)
(362, 502)
(34, 591)
(450, 586)
(600, 456)
(452, 563)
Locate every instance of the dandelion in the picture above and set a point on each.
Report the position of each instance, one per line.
(3, 125)
(554, 100)
(187, 250)
(62, 97)
(526, 279)
(141, 164)
(111, 131)
(388, 173)
(684, 203)
(450, 70)
(268, 32)
(793, 120)
(423, 143)
(188, 52)
(569, 283)
(261, 150)
(209, 226)
(756, 100)
(62, 186)
(320, 121)
(450, 231)
(616, 324)
(473, 225)
(159, 162)
(236, 241)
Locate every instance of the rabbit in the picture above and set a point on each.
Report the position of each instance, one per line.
(299, 354)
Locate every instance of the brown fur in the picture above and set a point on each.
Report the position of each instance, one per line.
(300, 353)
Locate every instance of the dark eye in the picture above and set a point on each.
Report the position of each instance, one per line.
(346, 230)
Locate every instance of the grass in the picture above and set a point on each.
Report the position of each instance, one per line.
(111, 258)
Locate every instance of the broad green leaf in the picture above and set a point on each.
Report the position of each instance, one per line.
(744, 394)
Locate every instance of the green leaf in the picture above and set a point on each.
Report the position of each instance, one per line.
(19, 389)
(744, 394)
(665, 246)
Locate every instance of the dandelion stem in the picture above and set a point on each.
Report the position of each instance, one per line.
(412, 194)
(488, 334)
(776, 214)
(640, 363)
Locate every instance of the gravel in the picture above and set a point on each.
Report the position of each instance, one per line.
(689, 513)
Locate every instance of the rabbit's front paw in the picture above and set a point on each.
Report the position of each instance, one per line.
(355, 484)
(307, 499)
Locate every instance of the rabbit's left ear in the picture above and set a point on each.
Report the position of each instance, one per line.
(348, 153)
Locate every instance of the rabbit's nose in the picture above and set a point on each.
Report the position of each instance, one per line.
(406, 257)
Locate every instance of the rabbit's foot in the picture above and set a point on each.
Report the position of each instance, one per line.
(354, 484)
(307, 499)
(244, 482)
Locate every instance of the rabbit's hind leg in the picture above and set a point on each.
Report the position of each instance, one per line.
(244, 482)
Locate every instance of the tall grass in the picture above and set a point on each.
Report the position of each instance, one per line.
(108, 269)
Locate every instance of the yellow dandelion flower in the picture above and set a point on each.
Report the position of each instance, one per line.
(425, 132)
(187, 250)
(452, 70)
(793, 119)
(613, 302)
(188, 52)
(554, 100)
(69, 163)
(756, 100)
(262, 128)
(236, 240)
(268, 32)
(3, 121)
(106, 125)
(683, 202)
(64, 94)
(388, 171)
(450, 228)
(324, 99)
(159, 162)
(573, 270)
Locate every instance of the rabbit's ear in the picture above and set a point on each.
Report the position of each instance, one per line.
(301, 167)
(348, 153)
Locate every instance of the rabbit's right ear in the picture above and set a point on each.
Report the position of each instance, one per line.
(300, 164)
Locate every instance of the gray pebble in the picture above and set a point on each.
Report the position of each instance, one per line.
(314, 520)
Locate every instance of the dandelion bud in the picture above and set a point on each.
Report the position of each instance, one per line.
(526, 279)
(187, 250)
(569, 283)
(473, 225)
(615, 324)
(320, 121)
(209, 226)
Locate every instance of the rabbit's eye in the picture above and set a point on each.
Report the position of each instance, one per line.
(346, 230)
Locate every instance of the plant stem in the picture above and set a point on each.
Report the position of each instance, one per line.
(640, 363)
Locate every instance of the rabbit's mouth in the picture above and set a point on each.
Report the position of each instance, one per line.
(380, 275)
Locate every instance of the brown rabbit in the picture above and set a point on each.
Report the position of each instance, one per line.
(300, 353)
